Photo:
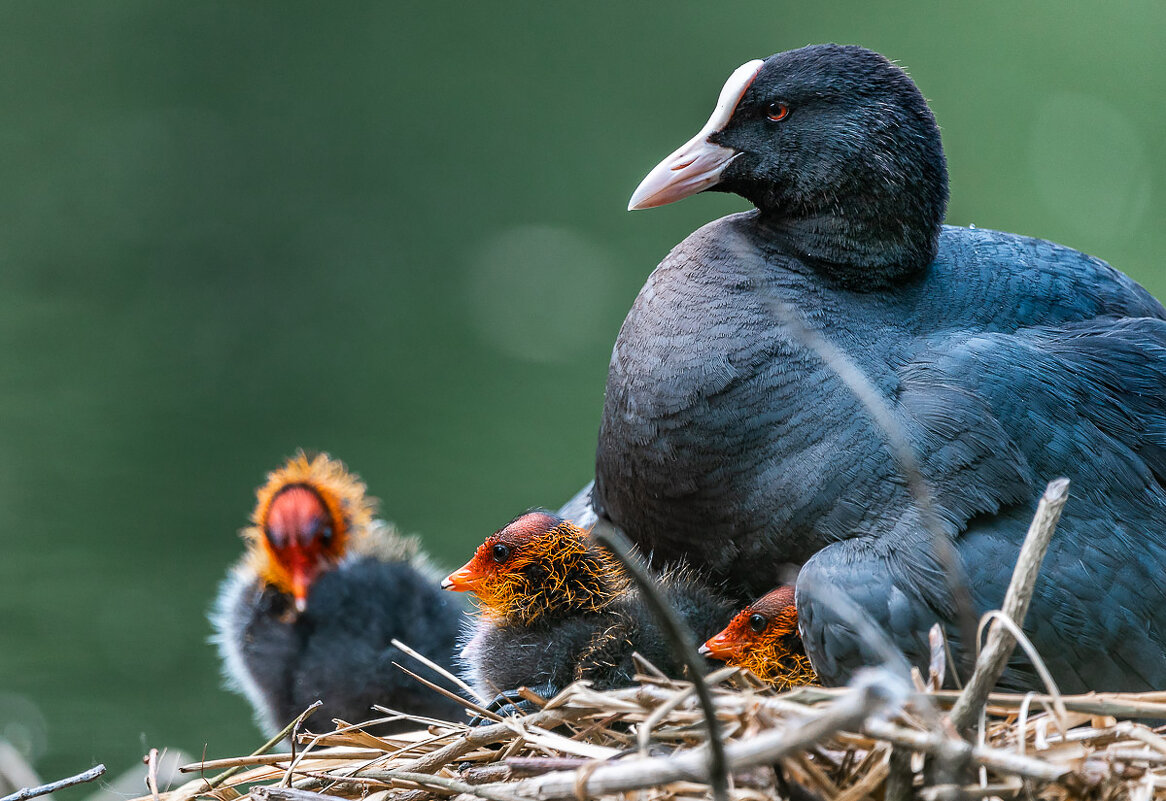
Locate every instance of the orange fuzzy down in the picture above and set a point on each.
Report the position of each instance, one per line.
(552, 567)
(343, 496)
(774, 655)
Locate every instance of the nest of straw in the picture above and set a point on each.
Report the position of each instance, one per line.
(878, 737)
(890, 734)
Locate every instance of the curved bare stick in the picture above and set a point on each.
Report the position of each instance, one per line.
(994, 657)
(683, 646)
(52, 787)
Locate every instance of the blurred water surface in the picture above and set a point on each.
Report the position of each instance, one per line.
(397, 232)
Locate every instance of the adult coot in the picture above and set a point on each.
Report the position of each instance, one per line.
(1008, 361)
(311, 609)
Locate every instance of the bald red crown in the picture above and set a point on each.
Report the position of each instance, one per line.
(530, 526)
(296, 513)
(775, 601)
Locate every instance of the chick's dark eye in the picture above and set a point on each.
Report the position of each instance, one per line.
(777, 111)
(500, 553)
(758, 623)
(326, 535)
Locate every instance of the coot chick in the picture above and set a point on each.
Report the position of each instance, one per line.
(1007, 361)
(763, 639)
(310, 610)
(556, 608)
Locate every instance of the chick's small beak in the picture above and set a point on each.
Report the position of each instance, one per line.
(698, 163)
(723, 646)
(461, 580)
(301, 583)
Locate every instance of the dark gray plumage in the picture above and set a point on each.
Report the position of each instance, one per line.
(1008, 361)
(339, 650)
(598, 647)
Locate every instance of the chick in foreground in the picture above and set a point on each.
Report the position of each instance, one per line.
(554, 608)
(310, 610)
(763, 639)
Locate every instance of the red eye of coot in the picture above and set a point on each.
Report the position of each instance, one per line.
(777, 111)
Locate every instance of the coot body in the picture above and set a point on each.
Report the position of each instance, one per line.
(1007, 361)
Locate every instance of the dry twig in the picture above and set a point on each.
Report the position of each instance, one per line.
(873, 693)
(684, 647)
(44, 789)
(993, 659)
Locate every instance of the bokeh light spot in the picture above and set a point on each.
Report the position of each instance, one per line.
(23, 725)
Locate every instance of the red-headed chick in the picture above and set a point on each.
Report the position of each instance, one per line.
(310, 610)
(555, 607)
(763, 639)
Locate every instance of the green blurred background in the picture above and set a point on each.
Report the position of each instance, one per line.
(398, 233)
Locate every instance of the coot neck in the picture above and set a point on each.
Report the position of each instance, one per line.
(862, 250)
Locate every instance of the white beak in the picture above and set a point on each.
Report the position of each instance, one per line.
(698, 163)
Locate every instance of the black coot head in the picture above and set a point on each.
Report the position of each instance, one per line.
(829, 141)
(825, 122)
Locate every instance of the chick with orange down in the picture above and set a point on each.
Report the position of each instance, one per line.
(763, 638)
(310, 610)
(554, 608)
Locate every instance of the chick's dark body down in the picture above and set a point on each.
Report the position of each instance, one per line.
(339, 650)
(551, 652)
(1007, 361)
